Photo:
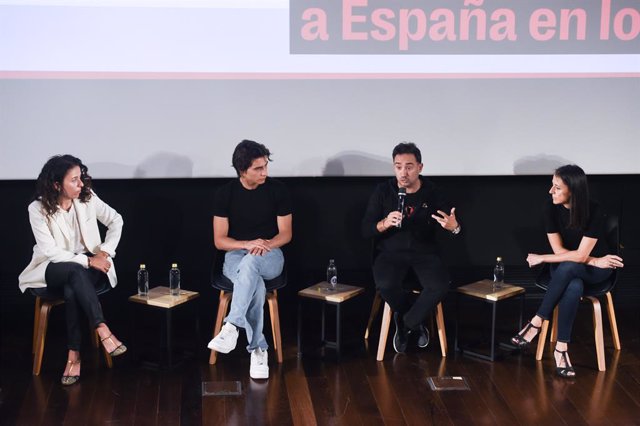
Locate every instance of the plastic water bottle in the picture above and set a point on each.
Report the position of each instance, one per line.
(332, 275)
(143, 280)
(498, 274)
(174, 280)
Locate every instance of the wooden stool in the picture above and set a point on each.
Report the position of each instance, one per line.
(223, 308)
(597, 330)
(386, 324)
(40, 322)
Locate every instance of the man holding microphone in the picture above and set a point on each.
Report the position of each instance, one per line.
(402, 216)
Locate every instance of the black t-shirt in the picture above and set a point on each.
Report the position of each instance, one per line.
(252, 213)
(556, 220)
(418, 227)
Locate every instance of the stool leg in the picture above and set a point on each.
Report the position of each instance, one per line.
(554, 326)
(442, 334)
(597, 331)
(375, 308)
(384, 331)
(222, 311)
(272, 299)
(36, 322)
(541, 339)
(41, 334)
(613, 323)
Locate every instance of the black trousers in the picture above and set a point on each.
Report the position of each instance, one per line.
(78, 287)
(389, 272)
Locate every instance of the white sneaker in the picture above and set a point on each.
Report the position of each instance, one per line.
(259, 364)
(226, 340)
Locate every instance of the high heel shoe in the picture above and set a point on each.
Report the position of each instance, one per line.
(519, 339)
(118, 350)
(71, 379)
(567, 371)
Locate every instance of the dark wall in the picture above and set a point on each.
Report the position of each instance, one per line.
(169, 220)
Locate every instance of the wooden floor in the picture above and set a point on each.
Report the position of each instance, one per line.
(315, 390)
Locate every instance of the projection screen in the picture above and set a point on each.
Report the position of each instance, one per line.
(166, 88)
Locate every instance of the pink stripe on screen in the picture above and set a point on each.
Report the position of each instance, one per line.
(107, 75)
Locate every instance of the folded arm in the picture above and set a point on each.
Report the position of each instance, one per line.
(259, 246)
(581, 255)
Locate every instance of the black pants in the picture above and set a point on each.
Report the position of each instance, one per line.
(389, 272)
(78, 286)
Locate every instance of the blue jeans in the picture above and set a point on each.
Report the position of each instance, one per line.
(565, 290)
(248, 272)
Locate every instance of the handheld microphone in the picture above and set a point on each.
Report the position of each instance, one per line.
(402, 193)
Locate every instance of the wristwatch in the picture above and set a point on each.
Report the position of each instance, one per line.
(457, 230)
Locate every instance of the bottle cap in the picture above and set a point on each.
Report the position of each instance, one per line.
(142, 266)
(499, 259)
(174, 265)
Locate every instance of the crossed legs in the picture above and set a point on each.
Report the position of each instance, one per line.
(565, 290)
(248, 272)
(78, 286)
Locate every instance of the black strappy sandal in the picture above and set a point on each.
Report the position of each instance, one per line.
(519, 339)
(567, 371)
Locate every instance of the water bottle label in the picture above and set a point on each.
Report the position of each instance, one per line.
(334, 280)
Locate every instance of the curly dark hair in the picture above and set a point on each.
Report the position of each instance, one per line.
(244, 154)
(53, 172)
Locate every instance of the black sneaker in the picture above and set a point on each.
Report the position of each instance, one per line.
(401, 338)
(423, 336)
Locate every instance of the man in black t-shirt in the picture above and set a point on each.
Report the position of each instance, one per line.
(404, 237)
(251, 221)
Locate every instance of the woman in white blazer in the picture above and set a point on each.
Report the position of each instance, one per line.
(69, 259)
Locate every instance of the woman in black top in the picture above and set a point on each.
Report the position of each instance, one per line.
(574, 226)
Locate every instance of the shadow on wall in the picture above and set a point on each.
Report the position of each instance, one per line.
(356, 163)
(165, 165)
(160, 165)
(540, 164)
(109, 170)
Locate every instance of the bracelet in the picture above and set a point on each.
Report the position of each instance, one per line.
(457, 230)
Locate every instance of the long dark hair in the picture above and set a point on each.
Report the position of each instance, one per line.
(53, 172)
(576, 180)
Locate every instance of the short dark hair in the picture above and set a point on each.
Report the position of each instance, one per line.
(244, 154)
(53, 172)
(407, 148)
(576, 180)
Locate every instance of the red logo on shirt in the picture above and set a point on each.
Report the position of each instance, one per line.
(409, 211)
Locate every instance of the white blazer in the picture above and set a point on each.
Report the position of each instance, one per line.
(53, 242)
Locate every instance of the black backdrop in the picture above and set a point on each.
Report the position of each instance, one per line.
(169, 220)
